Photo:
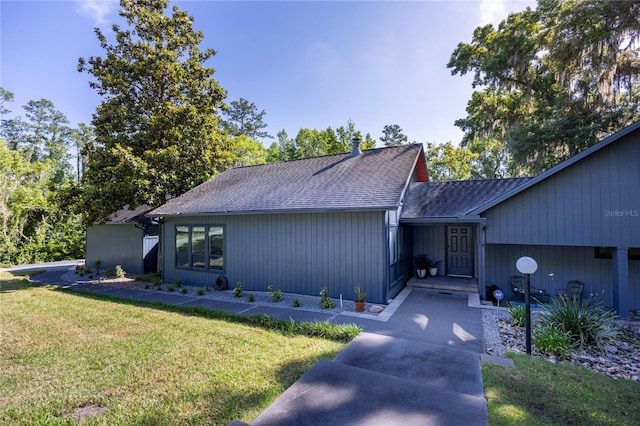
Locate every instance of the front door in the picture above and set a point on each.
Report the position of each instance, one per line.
(460, 250)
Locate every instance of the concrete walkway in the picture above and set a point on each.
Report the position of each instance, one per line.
(419, 365)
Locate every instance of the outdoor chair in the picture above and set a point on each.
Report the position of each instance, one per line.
(517, 287)
(572, 291)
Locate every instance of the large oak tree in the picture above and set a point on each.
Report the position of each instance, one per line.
(553, 81)
(157, 129)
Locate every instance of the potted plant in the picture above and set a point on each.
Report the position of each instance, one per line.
(433, 268)
(360, 298)
(422, 264)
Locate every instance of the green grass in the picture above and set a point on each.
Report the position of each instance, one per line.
(144, 363)
(538, 392)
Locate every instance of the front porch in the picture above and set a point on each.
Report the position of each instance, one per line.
(466, 284)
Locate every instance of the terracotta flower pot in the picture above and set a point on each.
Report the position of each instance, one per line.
(359, 306)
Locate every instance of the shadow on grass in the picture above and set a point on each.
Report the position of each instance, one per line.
(18, 280)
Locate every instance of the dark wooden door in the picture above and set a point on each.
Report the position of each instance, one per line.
(460, 250)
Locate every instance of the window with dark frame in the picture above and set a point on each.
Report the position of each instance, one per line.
(200, 247)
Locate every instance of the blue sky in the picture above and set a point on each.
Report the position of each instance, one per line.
(308, 64)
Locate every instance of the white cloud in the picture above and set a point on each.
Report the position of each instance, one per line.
(98, 10)
(494, 11)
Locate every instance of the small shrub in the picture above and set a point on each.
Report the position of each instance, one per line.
(251, 298)
(550, 340)
(200, 292)
(206, 287)
(98, 263)
(518, 314)
(120, 273)
(154, 278)
(296, 303)
(184, 291)
(276, 295)
(587, 324)
(237, 292)
(177, 283)
(109, 273)
(147, 286)
(325, 300)
(171, 288)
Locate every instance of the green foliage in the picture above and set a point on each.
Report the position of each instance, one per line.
(447, 162)
(177, 283)
(551, 82)
(296, 303)
(276, 295)
(251, 298)
(586, 324)
(157, 127)
(120, 273)
(246, 152)
(313, 142)
(155, 278)
(237, 291)
(243, 119)
(360, 294)
(392, 135)
(518, 314)
(200, 292)
(35, 226)
(551, 340)
(325, 300)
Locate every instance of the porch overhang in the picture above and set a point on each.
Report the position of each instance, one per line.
(441, 220)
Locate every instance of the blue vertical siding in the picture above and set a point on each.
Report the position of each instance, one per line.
(430, 240)
(297, 253)
(594, 202)
(565, 262)
(113, 244)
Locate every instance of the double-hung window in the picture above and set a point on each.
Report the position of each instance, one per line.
(200, 247)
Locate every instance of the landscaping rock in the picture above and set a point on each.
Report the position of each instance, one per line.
(622, 360)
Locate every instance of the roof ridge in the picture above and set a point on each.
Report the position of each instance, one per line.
(365, 151)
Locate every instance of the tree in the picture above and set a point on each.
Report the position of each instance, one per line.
(83, 139)
(555, 79)
(34, 226)
(392, 135)
(157, 130)
(447, 162)
(243, 118)
(246, 152)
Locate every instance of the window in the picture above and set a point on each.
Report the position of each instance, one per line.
(395, 244)
(200, 247)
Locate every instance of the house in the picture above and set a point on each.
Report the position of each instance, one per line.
(300, 225)
(579, 220)
(360, 218)
(127, 238)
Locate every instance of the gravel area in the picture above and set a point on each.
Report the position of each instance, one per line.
(621, 358)
(260, 298)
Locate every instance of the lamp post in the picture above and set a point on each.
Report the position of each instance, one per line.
(527, 266)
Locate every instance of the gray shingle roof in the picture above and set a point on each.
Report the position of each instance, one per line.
(374, 179)
(126, 215)
(454, 198)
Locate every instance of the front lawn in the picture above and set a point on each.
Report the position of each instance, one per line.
(136, 363)
(539, 392)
